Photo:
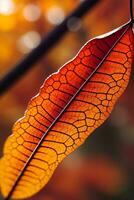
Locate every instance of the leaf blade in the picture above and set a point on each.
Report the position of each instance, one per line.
(84, 89)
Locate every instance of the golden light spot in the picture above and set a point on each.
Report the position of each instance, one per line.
(55, 15)
(29, 41)
(32, 12)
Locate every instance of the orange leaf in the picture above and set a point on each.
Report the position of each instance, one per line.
(71, 104)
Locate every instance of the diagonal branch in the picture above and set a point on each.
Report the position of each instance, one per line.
(47, 43)
(131, 10)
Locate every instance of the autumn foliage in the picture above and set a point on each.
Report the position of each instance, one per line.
(71, 104)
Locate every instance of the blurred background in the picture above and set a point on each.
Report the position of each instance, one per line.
(103, 168)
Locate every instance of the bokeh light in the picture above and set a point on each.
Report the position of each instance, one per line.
(55, 15)
(29, 41)
(7, 7)
(74, 24)
(32, 12)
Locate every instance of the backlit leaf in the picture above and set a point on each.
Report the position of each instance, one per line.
(71, 104)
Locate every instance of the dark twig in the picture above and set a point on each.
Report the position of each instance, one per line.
(131, 10)
(47, 43)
